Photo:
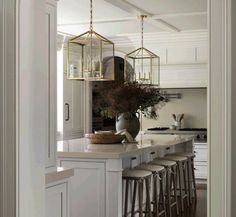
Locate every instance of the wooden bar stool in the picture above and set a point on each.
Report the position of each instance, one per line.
(191, 175)
(138, 178)
(158, 200)
(171, 184)
(181, 177)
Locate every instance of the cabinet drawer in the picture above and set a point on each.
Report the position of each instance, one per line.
(200, 152)
(200, 170)
(131, 162)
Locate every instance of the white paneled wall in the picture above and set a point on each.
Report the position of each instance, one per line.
(184, 56)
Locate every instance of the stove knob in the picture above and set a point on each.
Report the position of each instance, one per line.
(198, 137)
(205, 137)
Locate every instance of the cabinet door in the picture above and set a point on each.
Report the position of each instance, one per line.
(87, 189)
(51, 77)
(57, 201)
(74, 92)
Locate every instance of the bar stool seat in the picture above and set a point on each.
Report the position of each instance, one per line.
(151, 167)
(176, 158)
(184, 154)
(162, 162)
(133, 173)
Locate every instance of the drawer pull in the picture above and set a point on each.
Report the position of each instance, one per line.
(168, 148)
(133, 158)
(153, 152)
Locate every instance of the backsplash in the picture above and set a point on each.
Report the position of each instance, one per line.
(193, 104)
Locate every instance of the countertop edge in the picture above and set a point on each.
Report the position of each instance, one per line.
(60, 174)
(118, 155)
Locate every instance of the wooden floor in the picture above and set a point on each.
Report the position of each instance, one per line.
(200, 209)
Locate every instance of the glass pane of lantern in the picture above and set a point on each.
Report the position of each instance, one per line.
(156, 71)
(129, 67)
(143, 71)
(146, 66)
(74, 62)
(92, 59)
(107, 71)
(87, 63)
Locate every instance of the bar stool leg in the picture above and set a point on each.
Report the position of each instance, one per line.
(189, 182)
(126, 198)
(194, 181)
(174, 171)
(168, 187)
(162, 196)
(148, 204)
(184, 166)
(155, 195)
(140, 197)
(134, 200)
(180, 187)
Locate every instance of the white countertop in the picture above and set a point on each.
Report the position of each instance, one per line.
(81, 148)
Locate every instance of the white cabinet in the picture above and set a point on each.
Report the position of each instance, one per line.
(184, 57)
(87, 188)
(184, 75)
(200, 161)
(57, 200)
(51, 77)
(73, 124)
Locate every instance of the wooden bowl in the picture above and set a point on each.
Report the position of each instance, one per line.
(104, 138)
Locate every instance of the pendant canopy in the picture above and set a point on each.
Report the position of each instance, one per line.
(145, 64)
(86, 54)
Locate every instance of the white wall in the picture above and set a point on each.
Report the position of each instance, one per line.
(193, 104)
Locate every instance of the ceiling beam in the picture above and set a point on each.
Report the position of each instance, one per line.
(189, 14)
(127, 19)
(134, 10)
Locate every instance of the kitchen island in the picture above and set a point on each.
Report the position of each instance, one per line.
(96, 188)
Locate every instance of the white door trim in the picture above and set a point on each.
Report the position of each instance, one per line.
(219, 196)
(8, 146)
(219, 110)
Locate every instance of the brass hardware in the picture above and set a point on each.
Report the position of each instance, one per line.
(145, 64)
(86, 55)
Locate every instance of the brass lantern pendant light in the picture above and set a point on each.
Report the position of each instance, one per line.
(87, 54)
(145, 64)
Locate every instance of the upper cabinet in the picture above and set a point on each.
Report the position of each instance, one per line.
(184, 56)
(51, 77)
(184, 66)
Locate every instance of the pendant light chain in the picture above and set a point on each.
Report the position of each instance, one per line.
(142, 30)
(91, 15)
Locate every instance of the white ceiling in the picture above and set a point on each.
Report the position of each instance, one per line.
(115, 17)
